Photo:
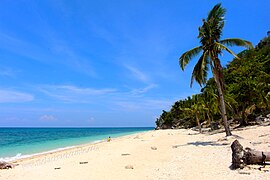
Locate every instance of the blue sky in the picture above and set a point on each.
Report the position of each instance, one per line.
(105, 63)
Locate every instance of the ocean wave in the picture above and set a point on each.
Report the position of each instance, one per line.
(13, 158)
(20, 156)
(23, 156)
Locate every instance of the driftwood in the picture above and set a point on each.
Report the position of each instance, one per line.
(242, 157)
(5, 165)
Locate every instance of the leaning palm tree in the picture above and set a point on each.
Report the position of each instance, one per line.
(211, 47)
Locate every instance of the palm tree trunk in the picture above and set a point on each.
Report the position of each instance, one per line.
(222, 104)
(209, 116)
(243, 121)
(198, 122)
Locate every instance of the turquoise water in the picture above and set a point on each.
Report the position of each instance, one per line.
(18, 142)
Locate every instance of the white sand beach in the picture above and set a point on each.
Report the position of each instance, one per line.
(162, 154)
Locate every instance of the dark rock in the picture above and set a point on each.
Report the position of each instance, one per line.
(165, 126)
(259, 118)
(5, 165)
(214, 126)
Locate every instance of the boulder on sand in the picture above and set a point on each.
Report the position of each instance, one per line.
(5, 165)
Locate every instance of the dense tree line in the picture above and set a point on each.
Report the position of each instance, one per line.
(246, 93)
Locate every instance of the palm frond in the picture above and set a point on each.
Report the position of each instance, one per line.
(216, 21)
(219, 46)
(200, 70)
(209, 92)
(187, 56)
(230, 101)
(237, 42)
(217, 12)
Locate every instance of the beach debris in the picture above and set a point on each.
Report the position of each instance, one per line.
(225, 143)
(263, 135)
(129, 167)
(255, 143)
(242, 157)
(262, 169)
(228, 138)
(125, 154)
(244, 172)
(85, 162)
(214, 126)
(154, 148)
(5, 165)
(57, 168)
(176, 146)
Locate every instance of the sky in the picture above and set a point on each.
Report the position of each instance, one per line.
(68, 63)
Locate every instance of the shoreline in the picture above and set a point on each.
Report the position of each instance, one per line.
(65, 149)
(66, 137)
(161, 154)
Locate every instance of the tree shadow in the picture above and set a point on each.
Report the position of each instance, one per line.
(202, 143)
(206, 143)
(218, 131)
(237, 137)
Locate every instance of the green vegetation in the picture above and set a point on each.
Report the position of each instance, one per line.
(239, 91)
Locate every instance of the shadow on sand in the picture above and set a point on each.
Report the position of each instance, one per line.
(202, 143)
(206, 143)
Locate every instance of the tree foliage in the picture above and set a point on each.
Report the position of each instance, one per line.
(247, 92)
(211, 47)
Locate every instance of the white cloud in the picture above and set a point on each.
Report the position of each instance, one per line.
(143, 104)
(69, 57)
(113, 99)
(57, 51)
(9, 96)
(70, 93)
(138, 74)
(143, 90)
(47, 118)
(84, 91)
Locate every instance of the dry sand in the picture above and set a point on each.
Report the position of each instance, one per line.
(163, 154)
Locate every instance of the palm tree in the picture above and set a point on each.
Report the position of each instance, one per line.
(209, 98)
(195, 109)
(211, 47)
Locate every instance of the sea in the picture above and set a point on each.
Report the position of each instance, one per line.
(16, 143)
